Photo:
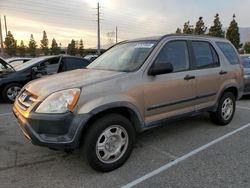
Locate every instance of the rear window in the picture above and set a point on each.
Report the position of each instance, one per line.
(246, 61)
(229, 52)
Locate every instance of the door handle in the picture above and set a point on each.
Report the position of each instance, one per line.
(222, 72)
(189, 77)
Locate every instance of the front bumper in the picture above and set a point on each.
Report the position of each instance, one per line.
(57, 131)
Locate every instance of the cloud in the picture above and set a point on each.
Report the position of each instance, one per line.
(134, 18)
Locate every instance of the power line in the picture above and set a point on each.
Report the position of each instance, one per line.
(1, 36)
(5, 23)
(116, 34)
(98, 30)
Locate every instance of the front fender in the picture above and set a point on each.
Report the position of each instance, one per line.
(105, 103)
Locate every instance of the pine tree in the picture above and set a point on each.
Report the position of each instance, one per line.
(21, 49)
(178, 31)
(187, 29)
(81, 48)
(200, 28)
(32, 46)
(45, 44)
(72, 50)
(10, 44)
(246, 47)
(233, 33)
(216, 29)
(55, 49)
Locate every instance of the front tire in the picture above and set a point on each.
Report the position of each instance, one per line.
(225, 111)
(109, 142)
(10, 92)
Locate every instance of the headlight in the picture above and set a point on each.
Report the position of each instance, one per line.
(59, 102)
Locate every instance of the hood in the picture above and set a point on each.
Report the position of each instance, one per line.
(72, 79)
(6, 65)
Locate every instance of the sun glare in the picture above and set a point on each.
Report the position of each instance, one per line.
(104, 3)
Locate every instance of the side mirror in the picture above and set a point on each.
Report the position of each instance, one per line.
(34, 69)
(160, 68)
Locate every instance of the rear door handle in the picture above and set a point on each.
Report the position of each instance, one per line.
(222, 72)
(189, 77)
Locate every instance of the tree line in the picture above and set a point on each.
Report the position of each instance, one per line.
(75, 47)
(12, 49)
(216, 30)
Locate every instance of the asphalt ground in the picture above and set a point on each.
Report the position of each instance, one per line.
(189, 153)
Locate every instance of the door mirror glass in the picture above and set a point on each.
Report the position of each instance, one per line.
(161, 68)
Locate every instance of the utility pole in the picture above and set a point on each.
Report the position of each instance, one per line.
(98, 30)
(116, 34)
(6, 29)
(1, 36)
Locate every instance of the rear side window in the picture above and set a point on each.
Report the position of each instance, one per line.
(74, 63)
(205, 55)
(176, 53)
(229, 52)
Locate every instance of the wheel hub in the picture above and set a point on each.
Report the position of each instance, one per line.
(227, 108)
(12, 92)
(112, 144)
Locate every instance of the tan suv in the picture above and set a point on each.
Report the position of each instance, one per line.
(134, 86)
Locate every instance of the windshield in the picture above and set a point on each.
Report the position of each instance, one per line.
(125, 57)
(246, 61)
(28, 63)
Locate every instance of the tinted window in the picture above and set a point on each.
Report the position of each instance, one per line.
(176, 53)
(205, 55)
(74, 63)
(229, 52)
(246, 62)
(50, 66)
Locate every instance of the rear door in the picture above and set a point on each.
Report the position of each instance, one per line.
(209, 75)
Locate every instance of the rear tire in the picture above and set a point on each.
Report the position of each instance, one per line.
(225, 111)
(109, 142)
(10, 92)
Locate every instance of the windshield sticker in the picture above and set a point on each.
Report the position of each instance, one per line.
(143, 45)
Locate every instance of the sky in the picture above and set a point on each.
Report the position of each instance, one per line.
(76, 19)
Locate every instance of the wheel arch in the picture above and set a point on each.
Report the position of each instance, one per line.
(125, 109)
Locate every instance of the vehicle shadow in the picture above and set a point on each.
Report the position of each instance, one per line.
(245, 97)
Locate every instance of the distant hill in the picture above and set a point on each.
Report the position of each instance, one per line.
(244, 34)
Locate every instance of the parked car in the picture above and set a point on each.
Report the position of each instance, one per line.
(246, 65)
(134, 86)
(17, 60)
(91, 57)
(12, 79)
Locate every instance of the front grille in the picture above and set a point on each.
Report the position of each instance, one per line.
(25, 100)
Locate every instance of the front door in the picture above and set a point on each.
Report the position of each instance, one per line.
(171, 94)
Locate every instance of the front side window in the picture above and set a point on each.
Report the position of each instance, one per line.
(229, 52)
(176, 53)
(124, 57)
(50, 66)
(205, 55)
